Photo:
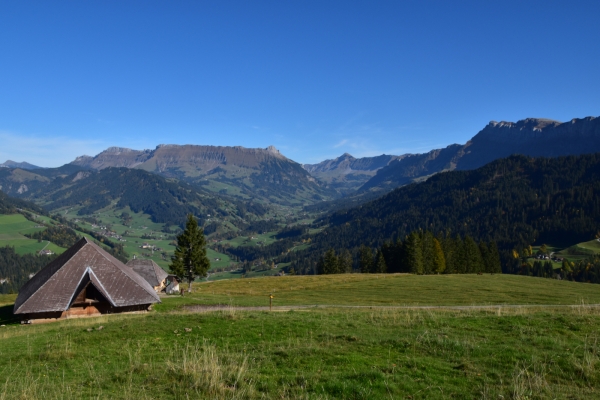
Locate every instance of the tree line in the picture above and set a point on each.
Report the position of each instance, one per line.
(587, 270)
(419, 253)
(62, 236)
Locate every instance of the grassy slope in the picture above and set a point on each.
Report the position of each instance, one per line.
(13, 227)
(321, 353)
(391, 289)
(140, 225)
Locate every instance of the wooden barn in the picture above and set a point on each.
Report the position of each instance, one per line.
(83, 281)
(151, 272)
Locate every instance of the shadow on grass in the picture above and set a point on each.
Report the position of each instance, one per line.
(7, 316)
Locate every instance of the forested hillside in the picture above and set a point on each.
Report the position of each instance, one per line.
(166, 201)
(10, 205)
(514, 202)
(16, 269)
(535, 137)
(241, 172)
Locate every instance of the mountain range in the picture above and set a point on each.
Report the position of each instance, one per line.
(346, 173)
(22, 165)
(268, 177)
(516, 202)
(238, 171)
(532, 137)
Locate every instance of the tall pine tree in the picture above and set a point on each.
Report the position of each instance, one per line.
(365, 259)
(189, 260)
(414, 253)
(379, 267)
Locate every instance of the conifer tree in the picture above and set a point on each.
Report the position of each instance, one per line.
(428, 252)
(321, 265)
(439, 260)
(189, 260)
(330, 262)
(344, 262)
(365, 259)
(494, 258)
(485, 257)
(460, 262)
(413, 252)
(379, 266)
(391, 252)
(472, 256)
(448, 246)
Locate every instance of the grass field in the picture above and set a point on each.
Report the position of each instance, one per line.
(13, 227)
(393, 290)
(322, 353)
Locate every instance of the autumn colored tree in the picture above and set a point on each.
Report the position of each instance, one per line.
(439, 261)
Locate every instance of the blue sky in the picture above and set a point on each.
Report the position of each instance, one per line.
(313, 78)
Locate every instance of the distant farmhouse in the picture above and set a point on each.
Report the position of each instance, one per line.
(172, 285)
(83, 281)
(151, 272)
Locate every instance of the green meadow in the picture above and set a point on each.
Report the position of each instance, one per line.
(380, 350)
(13, 227)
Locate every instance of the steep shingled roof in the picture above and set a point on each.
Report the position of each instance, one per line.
(148, 270)
(55, 287)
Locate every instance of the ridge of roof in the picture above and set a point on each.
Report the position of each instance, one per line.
(131, 274)
(145, 267)
(159, 271)
(38, 282)
(46, 272)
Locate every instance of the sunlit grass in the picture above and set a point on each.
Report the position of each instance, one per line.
(526, 353)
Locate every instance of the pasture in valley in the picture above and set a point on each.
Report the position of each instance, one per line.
(13, 227)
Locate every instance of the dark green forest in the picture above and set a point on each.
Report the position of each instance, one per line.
(115, 249)
(514, 202)
(420, 253)
(10, 205)
(17, 269)
(62, 236)
(166, 201)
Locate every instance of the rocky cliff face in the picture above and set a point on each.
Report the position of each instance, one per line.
(532, 137)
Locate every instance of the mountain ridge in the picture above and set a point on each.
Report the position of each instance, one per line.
(236, 170)
(347, 173)
(536, 137)
(22, 165)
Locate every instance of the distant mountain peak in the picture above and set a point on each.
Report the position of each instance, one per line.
(536, 137)
(525, 124)
(118, 150)
(273, 150)
(21, 165)
(265, 168)
(531, 129)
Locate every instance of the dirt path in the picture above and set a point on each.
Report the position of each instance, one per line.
(223, 307)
